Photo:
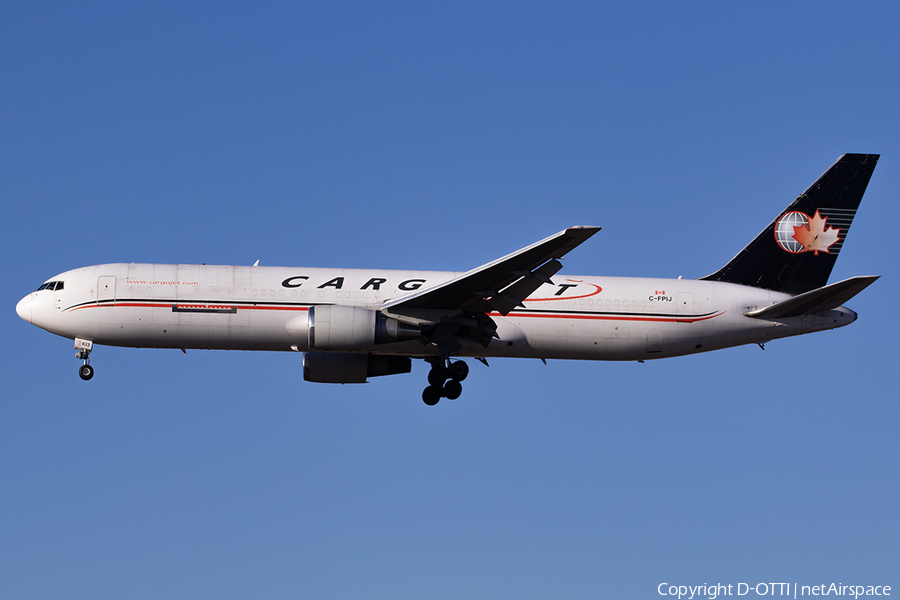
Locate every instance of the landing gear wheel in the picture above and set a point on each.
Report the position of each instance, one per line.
(86, 372)
(437, 376)
(431, 395)
(452, 389)
(459, 370)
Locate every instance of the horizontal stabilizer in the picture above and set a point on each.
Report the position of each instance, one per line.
(817, 300)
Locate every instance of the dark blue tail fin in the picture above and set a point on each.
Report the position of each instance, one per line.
(797, 251)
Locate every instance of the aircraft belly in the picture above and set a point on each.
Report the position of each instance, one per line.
(163, 327)
(614, 339)
(245, 329)
(578, 339)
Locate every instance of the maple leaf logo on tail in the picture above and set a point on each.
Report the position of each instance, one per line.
(797, 232)
(816, 236)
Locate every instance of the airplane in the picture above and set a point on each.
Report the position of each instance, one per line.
(353, 324)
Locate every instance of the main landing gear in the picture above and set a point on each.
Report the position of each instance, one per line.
(444, 380)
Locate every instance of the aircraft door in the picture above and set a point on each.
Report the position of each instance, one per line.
(684, 303)
(106, 289)
(654, 341)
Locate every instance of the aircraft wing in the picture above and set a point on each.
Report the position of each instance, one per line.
(499, 285)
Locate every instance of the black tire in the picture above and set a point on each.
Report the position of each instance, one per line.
(86, 372)
(459, 370)
(431, 395)
(437, 376)
(452, 389)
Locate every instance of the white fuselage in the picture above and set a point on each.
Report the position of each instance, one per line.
(265, 308)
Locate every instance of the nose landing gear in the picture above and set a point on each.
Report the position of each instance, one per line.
(84, 347)
(439, 387)
(85, 371)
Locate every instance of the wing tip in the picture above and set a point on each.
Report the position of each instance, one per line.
(585, 228)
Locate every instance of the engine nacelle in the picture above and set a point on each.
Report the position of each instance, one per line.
(327, 367)
(338, 327)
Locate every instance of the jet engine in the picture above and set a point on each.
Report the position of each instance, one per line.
(338, 327)
(327, 367)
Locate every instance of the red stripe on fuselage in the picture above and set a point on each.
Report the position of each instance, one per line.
(623, 317)
(514, 314)
(169, 305)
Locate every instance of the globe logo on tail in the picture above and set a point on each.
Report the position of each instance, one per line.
(797, 232)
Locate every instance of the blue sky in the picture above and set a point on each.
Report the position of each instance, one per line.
(405, 135)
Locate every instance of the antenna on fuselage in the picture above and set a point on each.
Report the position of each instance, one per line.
(256, 264)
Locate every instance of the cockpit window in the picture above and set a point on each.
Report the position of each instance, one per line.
(52, 285)
(43, 287)
(59, 285)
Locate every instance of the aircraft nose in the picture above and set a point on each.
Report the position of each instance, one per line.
(23, 308)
